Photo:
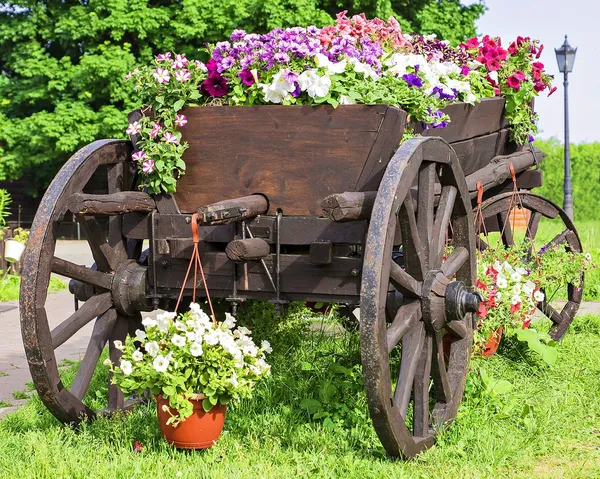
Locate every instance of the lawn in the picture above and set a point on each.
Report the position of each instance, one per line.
(10, 284)
(519, 418)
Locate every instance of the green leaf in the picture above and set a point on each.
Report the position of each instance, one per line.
(548, 353)
(328, 424)
(311, 405)
(178, 105)
(206, 405)
(213, 400)
(304, 366)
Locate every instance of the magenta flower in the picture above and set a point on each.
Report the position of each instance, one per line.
(180, 61)
(148, 166)
(164, 57)
(513, 82)
(133, 128)
(138, 156)
(246, 77)
(464, 70)
(180, 120)
(170, 138)
(155, 130)
(215, 85)
(182, 76)
(211, 66)
(161, 76)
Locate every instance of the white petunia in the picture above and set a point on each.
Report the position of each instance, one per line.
(229, 322)
(196, 349)
(501, 281)
(126, 367)
(365, 69)
(332, 67)
(494, 76)
(118, 344)
(266, 347)
(178, 340)
(211, 337)
(191, 336)
(522, 271)
(140, 335)
(161, 363)
(137, 356)
(508, 268)
(148, 323)
(152, 348)
(233, 380)
(588, 256)
(516, 277)
(528, 287)
(179, 326)
(107, 362)
(516, 288)
(516, 299)
(498, 295)
(163, 323)
(538, 296)
(244, 331)
(346, 100)
(313, 84)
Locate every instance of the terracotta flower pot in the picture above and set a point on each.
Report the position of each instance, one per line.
(490, 348)
(199, 431)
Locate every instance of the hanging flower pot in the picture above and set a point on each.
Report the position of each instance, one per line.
(199, 431)
(491, 346)
(13, 250)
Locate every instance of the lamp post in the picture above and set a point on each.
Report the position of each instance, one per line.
(565, 56)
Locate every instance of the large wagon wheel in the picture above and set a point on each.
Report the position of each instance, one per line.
(534, 208)
(113, 290)
(432, 303)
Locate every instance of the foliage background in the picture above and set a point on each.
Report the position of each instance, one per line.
(585, 176)
(62, 62)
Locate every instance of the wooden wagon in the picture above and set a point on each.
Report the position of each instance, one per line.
(297, 203)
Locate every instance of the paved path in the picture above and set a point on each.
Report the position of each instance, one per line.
(14, 372)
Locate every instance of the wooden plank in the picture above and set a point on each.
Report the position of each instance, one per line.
(476, 153)
(469, 121)
(295, 155)
(388, 139)
(112, 204)
(298, 275)
(249, 249)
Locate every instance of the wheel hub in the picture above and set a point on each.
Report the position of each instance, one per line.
(444, 301)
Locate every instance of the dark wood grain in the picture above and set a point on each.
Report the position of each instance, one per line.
(295, 155)
(112, 204)
(349, 206)
(249, 249)
(476, 153)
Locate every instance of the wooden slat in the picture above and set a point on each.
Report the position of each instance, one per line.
(81, 273)
(404, 282)
(443, 392)
(112, 204)
(406, 318)
(295, 155)
(412, 347)
(92, 308)
(421, 390)
(476, 153)
(457, 258)
(102, 330)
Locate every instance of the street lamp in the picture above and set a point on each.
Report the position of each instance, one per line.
(565, 56)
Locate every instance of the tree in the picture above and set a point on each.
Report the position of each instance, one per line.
(62, 62)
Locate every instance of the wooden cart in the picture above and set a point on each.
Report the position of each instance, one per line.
(296, 203)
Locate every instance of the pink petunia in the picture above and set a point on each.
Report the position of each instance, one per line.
(180, 61)
(180, 120)
(161, 76)
(182, 76)
(170, 138)
(200, 66)
(133, 128)
(155, 130)
(148, 166)
(513, 82)
(163, 57)
(138, 156)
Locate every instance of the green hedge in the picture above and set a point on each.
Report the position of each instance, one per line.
(585, 176)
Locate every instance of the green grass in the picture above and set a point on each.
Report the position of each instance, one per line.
(547, 425)
(20, 395)
(10, 284)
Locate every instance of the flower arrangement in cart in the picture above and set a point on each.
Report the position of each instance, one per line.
(193, 365)
(355, 61)
(514, 281)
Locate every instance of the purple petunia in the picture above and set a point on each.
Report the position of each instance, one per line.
(413, 80)
(246, 77)
(215, 85)
(438, 92)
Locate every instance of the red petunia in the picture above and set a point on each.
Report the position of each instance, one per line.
(492, 65)
(490, 271)
(481, 285)
(482, 312)
(472, 43)
(137, 447)
(526, 323)
(514, 308)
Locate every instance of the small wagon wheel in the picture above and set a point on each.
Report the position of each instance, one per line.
(113, 290)
(432, 305)
(535, 208)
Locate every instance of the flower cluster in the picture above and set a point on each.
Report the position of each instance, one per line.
(357, 60)
(183, 356)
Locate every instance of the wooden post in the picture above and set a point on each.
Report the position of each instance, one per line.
(231, 211)
(349, 206)
(251, 249)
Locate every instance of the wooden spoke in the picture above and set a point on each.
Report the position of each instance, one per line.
(533, 224)
(425, 201)
(404, 282)
(557, 240)
(414, 253)
(457, 329)
(81, 273)
(439, 374)
(421, 391)
(102, 330)
(412, 348)
(440, 225)
(119, 178)
(406, 318)
(103, 254)
(92, 308)
(505, 228)
(116, 399)
(454, 262)
(550, 312)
